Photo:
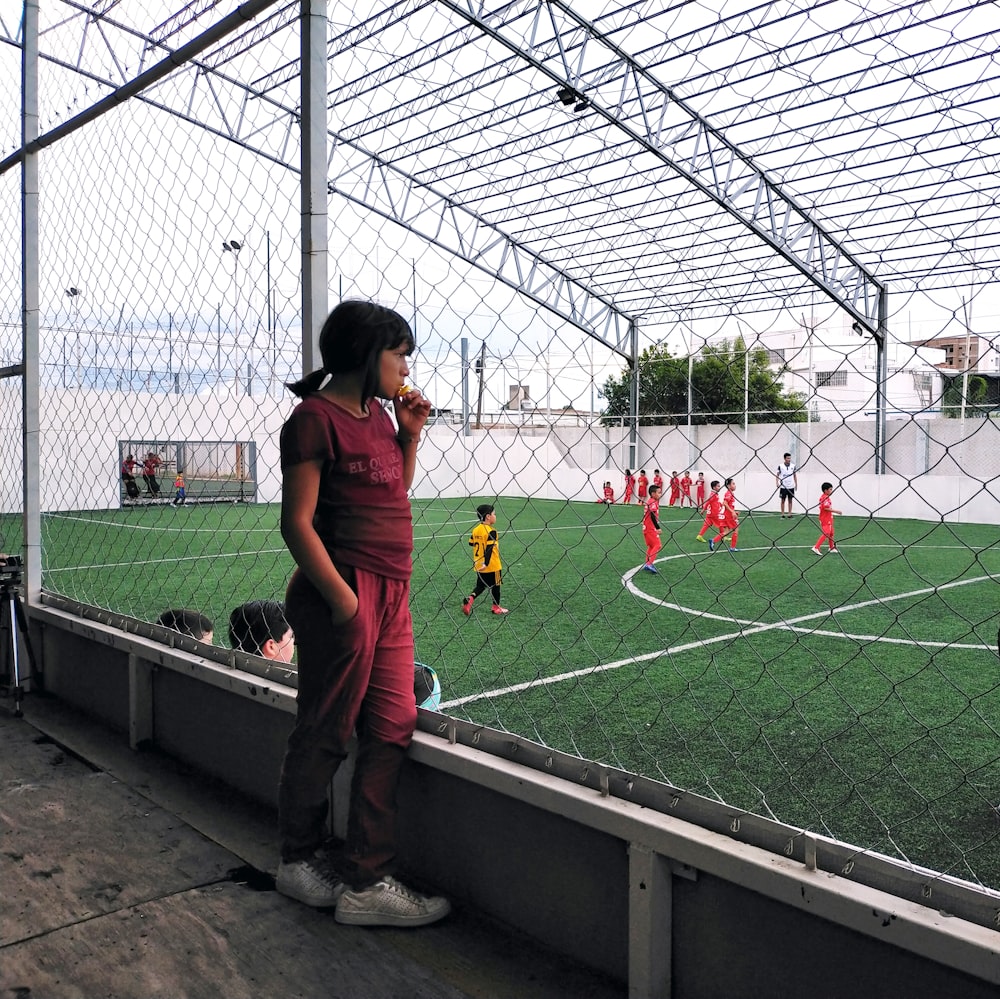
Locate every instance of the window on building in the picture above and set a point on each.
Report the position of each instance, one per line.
(832, 378)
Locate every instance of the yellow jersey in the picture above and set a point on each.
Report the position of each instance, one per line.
(485, 548)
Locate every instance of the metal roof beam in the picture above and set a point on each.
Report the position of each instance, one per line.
(573, 52)
(256, 120)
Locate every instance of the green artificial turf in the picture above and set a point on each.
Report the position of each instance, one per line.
(857, 694)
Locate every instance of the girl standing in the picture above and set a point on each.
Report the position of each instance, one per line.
(345, 517)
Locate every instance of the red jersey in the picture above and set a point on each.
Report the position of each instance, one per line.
(150, 464)
(363, 510)
(643, 486)
(713, 508)
(658, 480)
(686, 485)
(826, 510)
(609, 494)
(730, 501)
(651, 518)
(700, 492)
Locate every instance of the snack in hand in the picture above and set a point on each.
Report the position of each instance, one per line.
(403, 389)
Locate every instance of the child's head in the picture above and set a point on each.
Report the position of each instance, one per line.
(188, 622)
(259, 627)
(352, 341)
(714, 484)
(687, 471)
(827, 488)
(642, 471)
(701, 475)
(484, 510)
(654, 491)
(730, 483)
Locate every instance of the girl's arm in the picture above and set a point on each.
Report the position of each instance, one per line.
(299, 495)
(412, 411)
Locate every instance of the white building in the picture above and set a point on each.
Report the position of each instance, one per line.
(834, 370)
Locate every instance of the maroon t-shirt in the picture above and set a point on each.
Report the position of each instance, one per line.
(363, 511)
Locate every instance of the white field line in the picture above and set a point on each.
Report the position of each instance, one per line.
(791, 625)
(168, 561)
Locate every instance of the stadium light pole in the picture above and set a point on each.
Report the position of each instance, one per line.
(234, 247)
(73, 294)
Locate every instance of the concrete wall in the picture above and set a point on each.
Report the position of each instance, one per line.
(608, 869)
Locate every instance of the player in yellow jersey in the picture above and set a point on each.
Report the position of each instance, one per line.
(485, 559)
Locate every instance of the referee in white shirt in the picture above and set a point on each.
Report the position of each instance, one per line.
(787, 481)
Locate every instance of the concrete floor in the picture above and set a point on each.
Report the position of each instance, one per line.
(125, 875)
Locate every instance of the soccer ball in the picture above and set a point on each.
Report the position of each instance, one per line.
(426, 687)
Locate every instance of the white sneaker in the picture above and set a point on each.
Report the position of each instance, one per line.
(389, 903)
(311, 882)
(816, 551)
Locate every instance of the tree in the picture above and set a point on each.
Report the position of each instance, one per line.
(951, 397)
(718, 382)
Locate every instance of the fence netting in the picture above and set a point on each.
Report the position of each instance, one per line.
(846, 685)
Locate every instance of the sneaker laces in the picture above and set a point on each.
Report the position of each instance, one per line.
(399, 888)
(323, 868)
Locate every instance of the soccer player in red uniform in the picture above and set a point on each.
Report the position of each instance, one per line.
(609, 493)
(686, 481)
(643, 486)
(657, 478)
(651, 529)
(713, 512)
(150, 464)
(629, 486)
(826, 513)
(700, 490)
(675, 488)
(730, 518)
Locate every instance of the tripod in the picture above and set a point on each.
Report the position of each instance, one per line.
(12, 616)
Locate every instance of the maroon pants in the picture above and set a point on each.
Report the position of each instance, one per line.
(355, 676)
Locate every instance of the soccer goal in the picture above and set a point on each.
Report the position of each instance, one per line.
(212, 471)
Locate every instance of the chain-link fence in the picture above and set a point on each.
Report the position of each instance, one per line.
(846, 687)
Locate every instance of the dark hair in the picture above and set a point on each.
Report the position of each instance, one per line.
(253, 623)
(187, 622)
(827, 485)
(655, 488)
(787, 454)
(730, 479)
(352, 339)
(714, 484)
(484, 510)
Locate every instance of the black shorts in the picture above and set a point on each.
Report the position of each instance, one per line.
(786, 494)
